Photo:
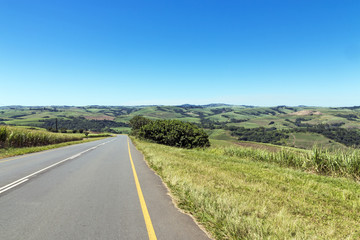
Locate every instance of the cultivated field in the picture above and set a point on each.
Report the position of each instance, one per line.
(22, 140)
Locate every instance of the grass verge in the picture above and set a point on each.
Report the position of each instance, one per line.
(11, 152)
(236, 198)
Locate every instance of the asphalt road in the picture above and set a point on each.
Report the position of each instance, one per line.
(87, 191)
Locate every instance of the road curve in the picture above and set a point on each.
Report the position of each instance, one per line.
(87, 191)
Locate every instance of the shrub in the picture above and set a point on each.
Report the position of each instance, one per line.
(137, 122)
(172, 133)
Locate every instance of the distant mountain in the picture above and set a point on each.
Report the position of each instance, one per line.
(217, 105)
(205, 106)
(189, 106)
(11, 107)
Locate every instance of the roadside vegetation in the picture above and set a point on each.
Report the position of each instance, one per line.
(20, 137)
(99, 135)
(339, 163)
(22, 140)
(11, 152)
(169, 132)
(246, 193)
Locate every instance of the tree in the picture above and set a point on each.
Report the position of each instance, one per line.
(174, 133)
(137, 122)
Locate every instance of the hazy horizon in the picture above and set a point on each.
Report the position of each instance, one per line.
(174, 105)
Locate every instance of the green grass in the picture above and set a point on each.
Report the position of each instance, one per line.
(189, 119)
(247, 125)
(125, 130)
(24, 122)
(220, 134)
(99, 135)
(309, 140)
(345, 163)
(218, 117)
(238, 198)
(219, 143)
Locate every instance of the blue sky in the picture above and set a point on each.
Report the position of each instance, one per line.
(251, 52)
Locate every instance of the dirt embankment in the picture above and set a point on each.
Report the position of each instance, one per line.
(306, 113)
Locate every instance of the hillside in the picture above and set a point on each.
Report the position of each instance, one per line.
(212, 116)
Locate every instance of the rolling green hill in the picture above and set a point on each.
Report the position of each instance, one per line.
(222, 117)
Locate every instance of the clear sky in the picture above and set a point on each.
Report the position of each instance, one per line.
(265, 53)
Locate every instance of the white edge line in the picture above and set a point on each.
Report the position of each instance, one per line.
(26, 178)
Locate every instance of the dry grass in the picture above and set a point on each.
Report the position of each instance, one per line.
(235, 197)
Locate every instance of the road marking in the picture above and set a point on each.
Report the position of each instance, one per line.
(149, 226)
(12, 185)
(26, 178)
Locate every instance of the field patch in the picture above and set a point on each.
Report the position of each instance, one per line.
(102, 117)
(306, 113)
(263, 146)
(309, 140)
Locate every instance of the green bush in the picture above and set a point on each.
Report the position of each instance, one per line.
(136, 123)
(171, 132)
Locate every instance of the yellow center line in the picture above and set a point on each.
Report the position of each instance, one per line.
(149, 226)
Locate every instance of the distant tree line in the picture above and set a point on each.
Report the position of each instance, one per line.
(298, 122)
(211, 124)
(350, 117)
(348, 137)
(334, 131)
(45, 109)
(78, 123)
(112, 110)
(261, 134)
(169, 132)
(220, 110)
(18, 116)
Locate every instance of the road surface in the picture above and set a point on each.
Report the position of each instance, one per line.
(88, 191)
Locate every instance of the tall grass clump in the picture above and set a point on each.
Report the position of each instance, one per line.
(99, 135)
(344, 163)
(12, 137)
